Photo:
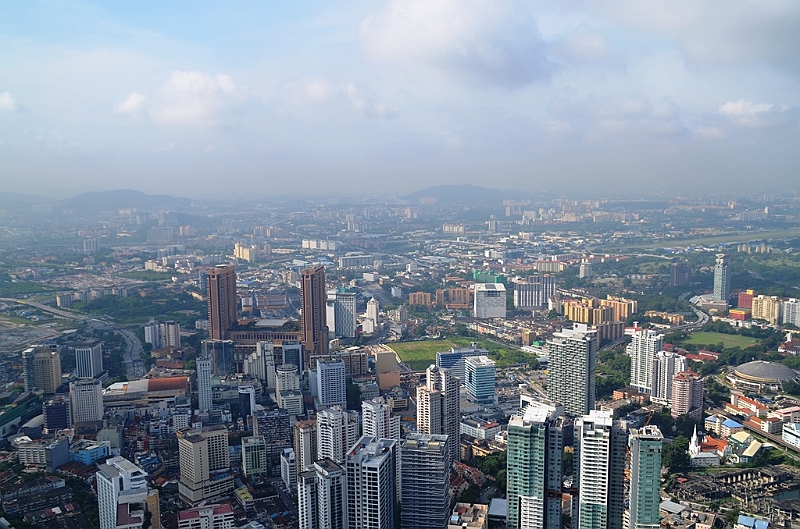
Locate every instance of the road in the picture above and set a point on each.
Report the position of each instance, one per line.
(46, 308)
(134, 366)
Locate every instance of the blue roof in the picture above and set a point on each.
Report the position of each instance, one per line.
(762, 524)
(730, 423)
(747, 521)
(712, 419)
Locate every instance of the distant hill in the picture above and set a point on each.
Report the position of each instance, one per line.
(20, 201)
(467, 194)
(121, 198)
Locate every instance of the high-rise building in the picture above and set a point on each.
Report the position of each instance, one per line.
(222, 301)
(254, 455)
(371, 468)
(645, 485)
(331, 383)
(89, 359)
(222, 356)
(571, 377)
(41, 369)
(247, 400)
(534, 467)
(722, 279)
(289, 469)
(790, 312)
(322, 496)
(373, 310)
(274, 426)
(292, 353)
(312, 305)
(679, 274)
(305, 444)
(86, 400)
(345, 314)
(425, 481)
(489, 300)
(204, 464)
(203, 384)
(378, 421)
(337, 431)
(287, 389)
(666, 365)
(480, 380)
(644, 345)
(261, 364)
(534, 293)
(122, 494)
(439, 407)
(56, 415)
(687, 395)
(767, 308)
(600, 452)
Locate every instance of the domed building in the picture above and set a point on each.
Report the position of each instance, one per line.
(761, 375)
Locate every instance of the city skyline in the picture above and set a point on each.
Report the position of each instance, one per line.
(413, 93)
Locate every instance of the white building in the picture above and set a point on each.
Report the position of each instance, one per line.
(439, 407)
(322, 496)
(489, 300)
(371, 466)
(479, 372)
(535, 292)
(331, 383)
(378, 421)
(665, 366)
(204, 370)
(337, 431)
(373, 310)
(642, 350)
(571, 377)
(289, 468)
(261, 364)
(86, 400)
(287, 390)
(207, 517)
(121, 494)
(345, 314)
(89, 359)
(790, 312)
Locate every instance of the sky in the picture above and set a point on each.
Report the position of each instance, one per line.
(259, 98)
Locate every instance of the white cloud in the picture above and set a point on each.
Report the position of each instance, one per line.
(709, 133)
(308, 89)
(478, 41)
(747, 114)
(365, 104)
(196, 98)
(7, 103)
(132, 104)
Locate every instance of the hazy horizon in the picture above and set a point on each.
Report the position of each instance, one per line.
(221, 100)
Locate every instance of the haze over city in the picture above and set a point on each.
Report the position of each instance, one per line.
(254, 99)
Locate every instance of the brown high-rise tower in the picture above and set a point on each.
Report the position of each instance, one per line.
(312, 303)
(221, 293)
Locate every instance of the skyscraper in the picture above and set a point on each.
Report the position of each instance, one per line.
(534, 467)
(222, 301)
(274, 426)
(305, 444)
(571, 380)
(378, 421)
(425, 463)
(337, 431)
(254, 455)
(345, 314)
(373, 310)
(204, 464)
(687, 395)
(679, 274)
(331, 383)
(722, 279)
(122, 493)
(322, 496)
(203, 384)
(371, 483)
(600, 445)
(312, 304)
(642, 350)
(665, 366)
(439, 408)
(534, 293)
(645, 485)
(479, 372)
(41, 369)
(86, 400)
(89, 359)
(261, 364)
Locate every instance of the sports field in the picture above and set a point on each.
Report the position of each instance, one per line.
(419, 355)
(728, 340)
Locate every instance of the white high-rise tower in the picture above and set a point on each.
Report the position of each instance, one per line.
(642, 350)
(204, 384)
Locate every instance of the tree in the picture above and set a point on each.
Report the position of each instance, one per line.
(675, 456)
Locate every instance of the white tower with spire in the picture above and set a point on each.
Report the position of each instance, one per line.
(694, 444)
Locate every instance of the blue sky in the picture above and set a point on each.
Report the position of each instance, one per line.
(257, 98)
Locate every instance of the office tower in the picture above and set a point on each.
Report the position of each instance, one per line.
(454, 360)
(247, 400)
(254, 455)
(573, 355)
(292, 353)
(687, 395)
(169, 333)
(645, 485)
(373, 310)
(222, 301)
(222, 356)
(665, 366)
(289, 469)
(534, 293)
(439, 407)
(287, 390)
(275, 427)
(203, 366)
(312, 305)
(790, 312)
(322, 496)
(89, 359)
(371, 468)
(600, 446)
(378, 421)
(679, 274)
(305, 444)
(41, 369)
(534, 467)
(337, 431)
(86, 400)
(479, 374)
(345, 314)
(642, 349)
(767, 308)
(489, 300)
(204, 464)
(261, 364)
(425, 480)
(722, 279)
(331, 383)
(122, 494)
(56, 415)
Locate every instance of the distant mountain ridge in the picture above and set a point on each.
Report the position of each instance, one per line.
(467, 194)
(120, 198)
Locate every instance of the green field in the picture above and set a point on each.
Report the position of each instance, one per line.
(728, 340)
(419, 355)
